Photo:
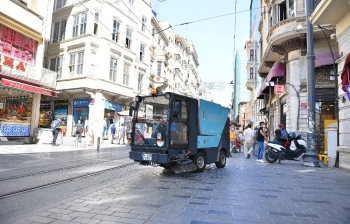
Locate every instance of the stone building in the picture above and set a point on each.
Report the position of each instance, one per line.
(24, 29)
(337, 13)
(283, 66)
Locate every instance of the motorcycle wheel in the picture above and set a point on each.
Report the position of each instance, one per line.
(269, 158)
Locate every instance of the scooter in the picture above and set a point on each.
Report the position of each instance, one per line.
(295, 151)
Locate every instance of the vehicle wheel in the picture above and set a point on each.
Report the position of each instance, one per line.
(270, 158)
(166, 166)
(200, 161)
(222, 160)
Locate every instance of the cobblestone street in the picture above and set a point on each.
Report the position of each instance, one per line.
(243, 192)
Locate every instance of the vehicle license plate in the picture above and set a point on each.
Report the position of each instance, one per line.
(146, 156)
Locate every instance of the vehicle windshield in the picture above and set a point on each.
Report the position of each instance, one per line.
(152, 119)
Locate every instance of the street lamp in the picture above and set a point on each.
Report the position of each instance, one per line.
(310, 159)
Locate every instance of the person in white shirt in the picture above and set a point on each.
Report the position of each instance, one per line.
(248, 140)
(121, 134)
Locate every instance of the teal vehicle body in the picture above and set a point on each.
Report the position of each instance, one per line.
(178, 132)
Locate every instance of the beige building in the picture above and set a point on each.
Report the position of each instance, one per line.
(337, 13)
(24, 30)
(283, 67)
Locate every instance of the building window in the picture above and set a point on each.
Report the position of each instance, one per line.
(56, 65)
(144, 20)
(177, 57)
(96, 23)
(128, 38)
(76, 64)
(115, 34)
(251, 73)
(59, 31)
(126, 74)
(159, 68)
(79, 24)
(252, 55)
(142, 52)
(131, 3)
(113, 70)
(291, 9)
(282, 11)
(59, 4)
(139, 81)
(93, 58)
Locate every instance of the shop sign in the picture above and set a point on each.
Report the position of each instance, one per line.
(113, 106)
(279, 89)
(81, 102)
(348, 91)
(26, 87)
(303, 106)
(45, 104)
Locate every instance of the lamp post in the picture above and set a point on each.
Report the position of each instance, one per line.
(310, 159)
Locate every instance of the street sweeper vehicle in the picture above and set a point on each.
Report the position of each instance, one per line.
(178, 132)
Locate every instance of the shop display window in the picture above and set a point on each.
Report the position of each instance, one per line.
(16, 109)
(61, 111)
(45, 117)
(82, 115)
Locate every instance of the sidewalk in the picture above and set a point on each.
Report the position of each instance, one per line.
(68, 145)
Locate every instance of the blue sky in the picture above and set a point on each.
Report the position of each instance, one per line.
(213, 39)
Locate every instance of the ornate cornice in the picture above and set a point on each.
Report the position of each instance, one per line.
(290, 45)
(269, 63)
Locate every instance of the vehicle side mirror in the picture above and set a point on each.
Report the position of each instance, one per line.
(177, 108)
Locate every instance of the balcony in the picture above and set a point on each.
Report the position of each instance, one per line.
(329, 12)
(250, 84)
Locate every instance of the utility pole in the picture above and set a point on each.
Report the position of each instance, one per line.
(310, 159)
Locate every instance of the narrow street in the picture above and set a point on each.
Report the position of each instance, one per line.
(87, 186)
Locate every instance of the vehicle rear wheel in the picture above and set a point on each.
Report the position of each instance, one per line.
(200, 160)
(222, 160)
(269, 157)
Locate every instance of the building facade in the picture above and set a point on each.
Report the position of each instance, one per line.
(241, 94)
(337, 13)
(24, 31)
(107, 52)
(283, 66)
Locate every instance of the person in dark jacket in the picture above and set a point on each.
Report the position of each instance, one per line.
(55, 128)
(113, 132)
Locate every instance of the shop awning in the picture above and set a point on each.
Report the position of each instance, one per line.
(345, 74)
(277, 70)
(324, 58)
(26, 87)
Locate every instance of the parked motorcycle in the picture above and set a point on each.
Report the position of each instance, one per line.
(295, 151)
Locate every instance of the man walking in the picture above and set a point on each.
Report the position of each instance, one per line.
(122, 134)
(261, 137)
(113, 132)
(79, 130)
(248, 140)
(55, 125)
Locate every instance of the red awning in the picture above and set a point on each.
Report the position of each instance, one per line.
(26, 87)
(345, 74)
(277, 70)
(324, 58)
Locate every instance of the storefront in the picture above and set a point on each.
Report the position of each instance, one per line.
(15, 112)
(61, 111)
(45, 117)
(110, 116)
(80, 112)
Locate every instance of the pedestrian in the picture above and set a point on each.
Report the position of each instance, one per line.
(232, 139)
(278, 138)
(241, 141)
(121, 134)
(113, 132)
(261, 137)
(55, 128)
(79, 130)
(248, 140)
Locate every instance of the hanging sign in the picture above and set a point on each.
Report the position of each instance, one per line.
(279, 89)
(348, 91)
(303, 106)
